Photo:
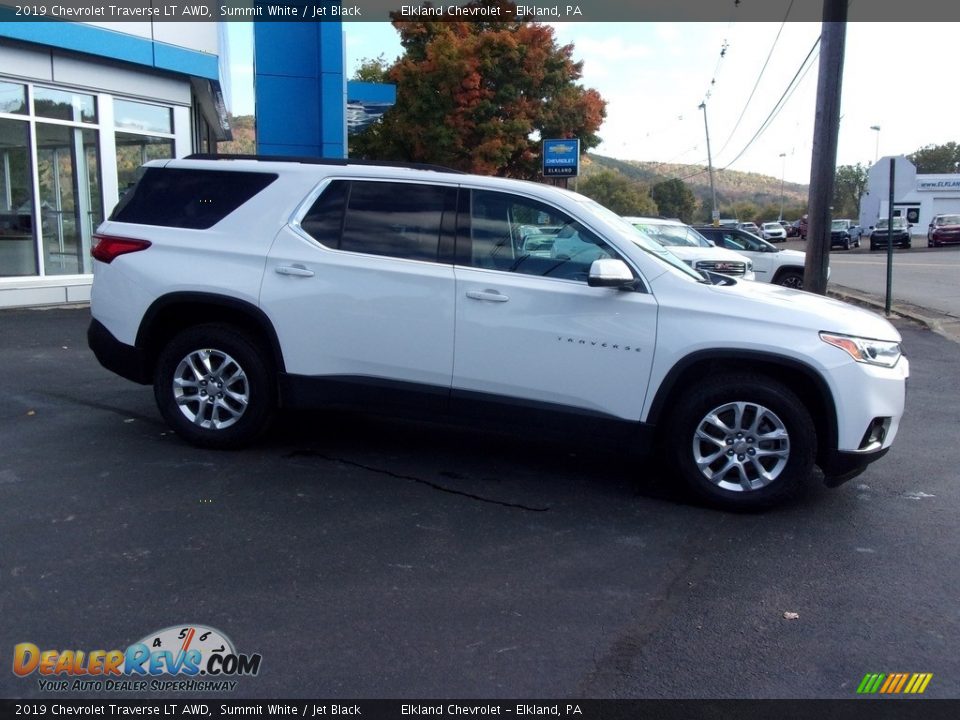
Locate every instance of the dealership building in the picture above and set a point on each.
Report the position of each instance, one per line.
(916, 197)
(83, 105)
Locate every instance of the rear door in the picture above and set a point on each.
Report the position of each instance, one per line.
(357, 291)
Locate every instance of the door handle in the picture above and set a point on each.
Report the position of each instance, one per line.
(488, 295)
(294, 270)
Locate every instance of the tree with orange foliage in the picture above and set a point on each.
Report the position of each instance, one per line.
(478, 96)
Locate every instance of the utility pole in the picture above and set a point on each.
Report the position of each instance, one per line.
(826, 128)
(783, 172)
(715, 216)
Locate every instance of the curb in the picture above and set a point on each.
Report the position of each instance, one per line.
(943, 324)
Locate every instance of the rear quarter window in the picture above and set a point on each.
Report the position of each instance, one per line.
(188, 198)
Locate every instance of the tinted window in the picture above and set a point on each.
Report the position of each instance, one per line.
(324, 221)
(196, 199)
(504, 236)
(401, 220)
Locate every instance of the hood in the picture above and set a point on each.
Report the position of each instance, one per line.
(795, 307)
(713, 254)
(793, 255)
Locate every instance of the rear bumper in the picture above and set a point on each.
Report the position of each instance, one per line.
(125, 360)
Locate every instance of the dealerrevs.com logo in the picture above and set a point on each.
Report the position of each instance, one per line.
(179, 658)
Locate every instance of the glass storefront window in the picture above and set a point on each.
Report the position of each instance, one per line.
(70, 199)
(18, 249)
(13, 98)
(141, 116)
(133, 151)
(64, 105)
(51, 188)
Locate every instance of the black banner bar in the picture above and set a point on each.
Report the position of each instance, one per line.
(542, 10)
(854, 709)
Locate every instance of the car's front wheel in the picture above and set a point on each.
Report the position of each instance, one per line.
(214, 386)
(791, 279)
(742, 442)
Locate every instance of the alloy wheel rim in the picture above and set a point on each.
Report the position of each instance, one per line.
(211, 389)
(741, 446)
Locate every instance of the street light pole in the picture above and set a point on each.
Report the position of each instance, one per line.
(876, 151)
(783, 172)
(715, 216)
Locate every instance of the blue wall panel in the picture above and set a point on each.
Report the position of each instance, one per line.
(287, 110)
(299, 85)
(114, 45)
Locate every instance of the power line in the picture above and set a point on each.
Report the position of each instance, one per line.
(759, 78)
(791, 86)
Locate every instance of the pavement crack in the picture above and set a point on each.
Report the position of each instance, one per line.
(413, 478)
(101, 406)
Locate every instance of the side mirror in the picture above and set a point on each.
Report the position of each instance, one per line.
(609, 272)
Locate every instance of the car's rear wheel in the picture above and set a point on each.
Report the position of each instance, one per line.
(742, 442)
(214, 386)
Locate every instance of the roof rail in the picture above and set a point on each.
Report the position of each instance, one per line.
(326, 161)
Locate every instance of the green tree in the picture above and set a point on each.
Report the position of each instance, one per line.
(373, 70)
(674, 199)
(618, 193)
(745, 211)
(849, 185)
(477, 96)
(937, 158)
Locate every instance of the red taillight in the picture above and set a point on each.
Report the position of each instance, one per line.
(108, 247)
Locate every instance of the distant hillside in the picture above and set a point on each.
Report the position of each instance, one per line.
(244, 137)
(732, 186)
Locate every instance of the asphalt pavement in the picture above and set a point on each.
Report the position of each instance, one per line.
(369, 558)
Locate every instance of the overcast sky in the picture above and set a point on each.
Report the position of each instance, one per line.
(898, 76)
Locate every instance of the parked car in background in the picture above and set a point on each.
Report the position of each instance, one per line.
(898, 235)
(773, 231)
(751, 228)
(770, 264)
(792, 228)
(693, 248)
(943, 230)
(845, 234)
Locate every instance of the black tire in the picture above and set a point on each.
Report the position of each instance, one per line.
(789, 465)
(791, 279)
(242, 403)
(846, 244)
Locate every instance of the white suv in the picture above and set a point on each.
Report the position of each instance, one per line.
(770, 263)
(239, 286)
(694, 249)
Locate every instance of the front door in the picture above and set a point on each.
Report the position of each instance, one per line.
(529, 329)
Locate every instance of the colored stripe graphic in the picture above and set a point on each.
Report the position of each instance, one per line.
(894, 683)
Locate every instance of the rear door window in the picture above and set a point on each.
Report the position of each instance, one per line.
(395, 219)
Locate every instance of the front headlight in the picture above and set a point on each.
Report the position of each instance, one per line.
(873, 352)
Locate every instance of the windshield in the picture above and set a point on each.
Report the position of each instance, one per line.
(948, 220)
(642, 241)
(672, 235)
(838, 225)
(898, 224)
(772, 226)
